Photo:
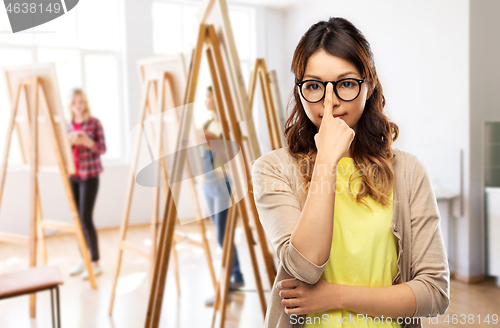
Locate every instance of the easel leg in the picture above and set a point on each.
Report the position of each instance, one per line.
(206, 249)
(162, 172)
(34, 188)
(154, 230)
(176, 267)
(253, 257)
(159, 90)
(161, 264)
(8, 141)
(267, 109)
(41, 231)
(128, 199)
(225, 276)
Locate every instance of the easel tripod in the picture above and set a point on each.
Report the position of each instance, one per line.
(38, 111)
(155, 92)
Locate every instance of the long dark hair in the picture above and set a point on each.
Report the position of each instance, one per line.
(371, 147)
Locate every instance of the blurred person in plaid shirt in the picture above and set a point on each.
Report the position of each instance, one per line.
(86, 136)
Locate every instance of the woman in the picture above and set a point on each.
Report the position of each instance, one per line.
(217, 189)
(87, 142)
(354, 222)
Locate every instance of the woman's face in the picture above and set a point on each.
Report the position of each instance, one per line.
(78, 106)
(210, 101)
(325, 67)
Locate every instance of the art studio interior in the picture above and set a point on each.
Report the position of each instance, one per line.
(159, 184)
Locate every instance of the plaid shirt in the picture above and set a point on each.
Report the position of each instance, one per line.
(89, 159)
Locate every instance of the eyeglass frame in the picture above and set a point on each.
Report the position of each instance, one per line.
(360, 82)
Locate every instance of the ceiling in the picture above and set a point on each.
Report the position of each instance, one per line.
(267, 3)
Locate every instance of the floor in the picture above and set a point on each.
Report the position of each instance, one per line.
(83, 307)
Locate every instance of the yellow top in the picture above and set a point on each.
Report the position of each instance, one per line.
(363, 253)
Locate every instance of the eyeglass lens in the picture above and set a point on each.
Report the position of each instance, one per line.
(347, 90)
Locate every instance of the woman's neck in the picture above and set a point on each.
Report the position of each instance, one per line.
(78, 119)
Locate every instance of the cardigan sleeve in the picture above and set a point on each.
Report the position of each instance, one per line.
(279, 211)
(430, 274)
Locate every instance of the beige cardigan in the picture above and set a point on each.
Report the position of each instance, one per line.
(422, 259)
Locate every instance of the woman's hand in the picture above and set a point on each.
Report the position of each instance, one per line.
(87, 142)
(81, 138)
(74, 137)
(334, 136)
(301, 298)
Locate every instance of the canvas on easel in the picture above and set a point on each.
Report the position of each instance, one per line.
(37, 116)
(163, 79)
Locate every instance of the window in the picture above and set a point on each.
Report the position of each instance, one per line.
(81, 60)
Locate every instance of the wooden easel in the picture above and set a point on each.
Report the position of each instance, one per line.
(260, 73)
(232, 130)
(215, 13)
(221, 295)
(38, 107)
(278, 105)
(156, 90)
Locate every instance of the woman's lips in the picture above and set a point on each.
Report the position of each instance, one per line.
(339, 116)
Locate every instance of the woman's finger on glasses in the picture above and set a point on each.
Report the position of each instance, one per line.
(328, 103)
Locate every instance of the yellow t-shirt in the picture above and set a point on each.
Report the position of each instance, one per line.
(364, 250)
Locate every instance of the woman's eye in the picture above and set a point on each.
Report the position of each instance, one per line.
(313, 86)
(347, 84)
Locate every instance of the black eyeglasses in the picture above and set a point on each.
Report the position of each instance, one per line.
(314, 91)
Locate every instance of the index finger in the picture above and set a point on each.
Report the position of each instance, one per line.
(328, 103)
